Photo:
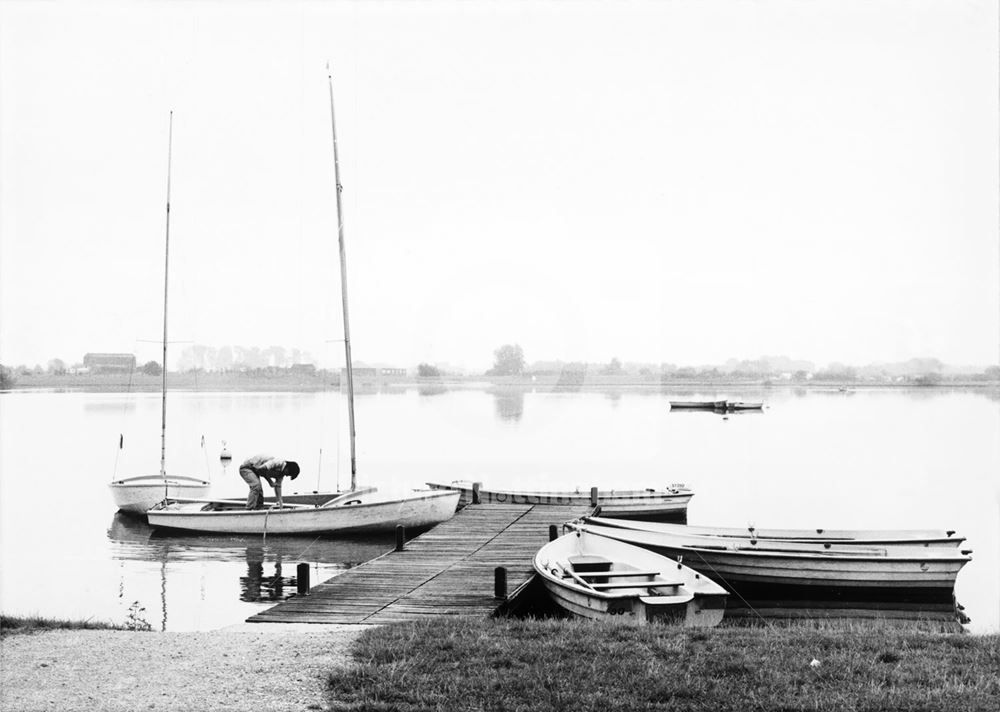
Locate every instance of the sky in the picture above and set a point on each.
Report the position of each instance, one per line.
(680, 182)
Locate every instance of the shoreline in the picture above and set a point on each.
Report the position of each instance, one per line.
(240, 383)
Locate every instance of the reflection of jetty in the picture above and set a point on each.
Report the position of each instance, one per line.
(449, 570)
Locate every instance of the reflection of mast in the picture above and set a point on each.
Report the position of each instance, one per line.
(163, 591)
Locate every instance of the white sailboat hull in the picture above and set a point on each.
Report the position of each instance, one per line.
(610, 579)
(137, 494)
(367, 512)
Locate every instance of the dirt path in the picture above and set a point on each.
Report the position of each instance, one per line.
(248, 667)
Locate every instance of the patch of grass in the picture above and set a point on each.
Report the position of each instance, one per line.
(579, 666)
(16, 625)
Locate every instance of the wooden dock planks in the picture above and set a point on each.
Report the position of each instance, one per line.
(445, 571)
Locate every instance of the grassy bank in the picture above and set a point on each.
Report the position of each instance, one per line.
(16, 625)
(578, 666)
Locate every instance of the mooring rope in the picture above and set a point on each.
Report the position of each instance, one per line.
(732, 588)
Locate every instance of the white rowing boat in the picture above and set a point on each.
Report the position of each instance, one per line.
(615, 503)
(803, 570)
(595, 577)
(863, 537)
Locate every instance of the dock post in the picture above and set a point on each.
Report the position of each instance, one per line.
(475, 492)
(400, 537)
(500, 582)
(553, 532)
(302, 579)
(593, 496)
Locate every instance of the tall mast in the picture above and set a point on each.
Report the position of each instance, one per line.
(343, 287)
(166, 282)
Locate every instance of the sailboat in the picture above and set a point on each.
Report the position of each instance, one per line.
(357, 510)
(137, 494)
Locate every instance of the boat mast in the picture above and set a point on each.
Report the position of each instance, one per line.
(343, 287)
(166, 271)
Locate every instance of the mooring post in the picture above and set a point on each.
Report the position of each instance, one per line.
(553, 532)
(302, 579)
(400, 537)
(475, 492)
(500, 582)
(593, 496)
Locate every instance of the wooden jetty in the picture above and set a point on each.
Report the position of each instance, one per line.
(447, 571)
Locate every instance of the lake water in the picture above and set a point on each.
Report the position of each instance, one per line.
(868, 459)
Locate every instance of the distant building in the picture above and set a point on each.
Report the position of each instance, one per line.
(393, 373)
(109, 363)
(303, 369)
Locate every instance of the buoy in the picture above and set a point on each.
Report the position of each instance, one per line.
(224, 455)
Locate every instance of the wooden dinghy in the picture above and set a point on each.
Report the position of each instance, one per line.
(862, 537)
(672, 501)
(595, 577)
(352, 512)
(808, 571)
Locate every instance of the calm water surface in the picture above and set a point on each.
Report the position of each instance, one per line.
(869, 459)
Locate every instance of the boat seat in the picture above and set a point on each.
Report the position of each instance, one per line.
(619, 574)
(590, 564)
(636, 584)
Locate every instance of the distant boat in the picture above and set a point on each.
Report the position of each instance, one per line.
(137, 494)
(595, 577)
(808, 571)
(742, 405)
(860, 537)
(698, 405)
(719, 405)
(671, 501)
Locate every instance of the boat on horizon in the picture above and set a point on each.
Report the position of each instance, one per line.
(716, 405)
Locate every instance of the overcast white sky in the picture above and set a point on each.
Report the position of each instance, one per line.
(669, 181)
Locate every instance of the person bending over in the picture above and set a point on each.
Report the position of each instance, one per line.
(271, 469)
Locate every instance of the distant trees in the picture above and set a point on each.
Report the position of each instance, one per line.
(612, 369)
(152, 368)
(57, 367)
(425, 370)
(509, 361)
(7, 379)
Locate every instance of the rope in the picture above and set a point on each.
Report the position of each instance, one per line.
(730, 587)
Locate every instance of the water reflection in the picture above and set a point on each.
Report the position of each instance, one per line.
(259, 572)
(509, 404)
(256, 587)
(432, 389)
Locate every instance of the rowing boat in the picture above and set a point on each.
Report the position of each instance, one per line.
(669, 502)
(863, 537)
(595, 577)
(807, 571)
